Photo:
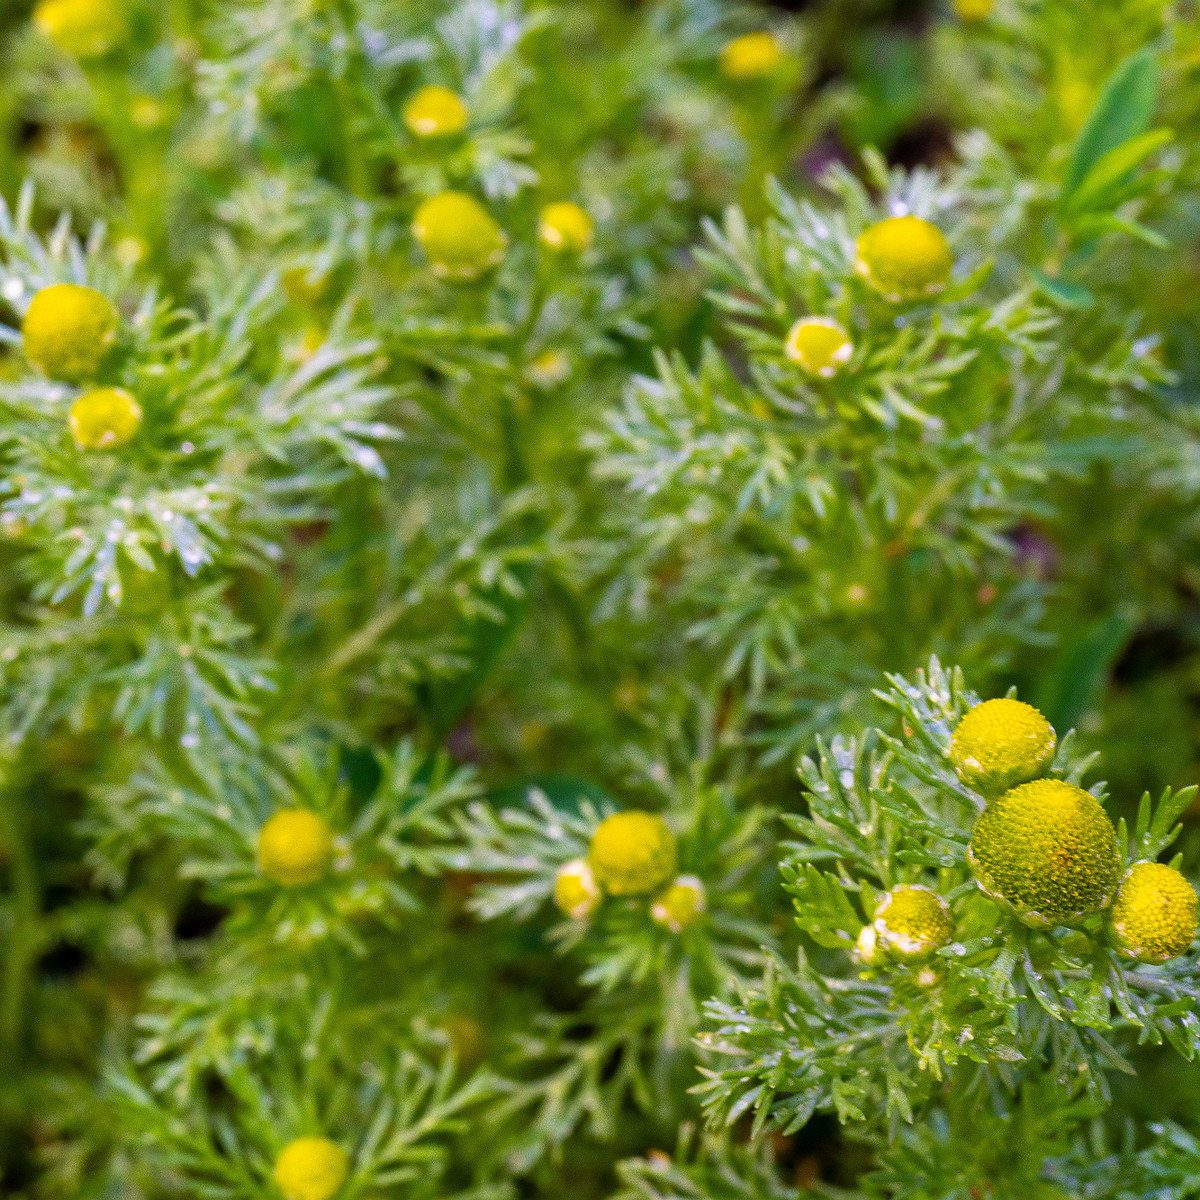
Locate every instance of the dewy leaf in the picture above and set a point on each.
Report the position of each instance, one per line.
(1122, 112)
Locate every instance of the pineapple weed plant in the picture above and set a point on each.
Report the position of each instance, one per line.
(459, 460)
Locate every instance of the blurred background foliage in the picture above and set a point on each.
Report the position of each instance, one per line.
(624, 105)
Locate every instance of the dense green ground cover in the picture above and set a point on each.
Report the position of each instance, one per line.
(465, 420)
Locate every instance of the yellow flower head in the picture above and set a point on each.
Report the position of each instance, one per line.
(974, 10)
(458, 235)
(103, 418)
(632, 853)
(435, 112)
(1153, 917)
(904, 258)
(295, 847)
(67, 330)
(911, 922)
(565, 226)
(84, 28)
(1047, 852)
(1001, 743)
(680, 904)
(819, 345)
(751, 56)
(575, 889)
(311, 1168)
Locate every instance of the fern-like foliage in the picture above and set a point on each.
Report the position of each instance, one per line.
(998, 1000)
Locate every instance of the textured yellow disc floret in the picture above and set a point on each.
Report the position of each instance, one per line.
(973, 10)
(819, 345)
(67, 329)
(295, 847)
(1047, 852)
(911, 922)
(1153, 917)
(904, 258)
(680, 904)
(104, 417)
(435, 112)
(311, 1168)
(751, 56)
(576, 891)
(1001, 743)
(458, 235)
(565, 226)
(632, 853)
(84, 28)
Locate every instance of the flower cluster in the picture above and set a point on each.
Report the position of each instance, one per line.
(994, 927)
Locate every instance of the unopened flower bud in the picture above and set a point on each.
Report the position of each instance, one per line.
(311, 1168)
(904, 258)
(575, 889)
(458, 235)
(1153, 916)
(435, 112)
(680, 904)
(632, 853)
(67, 330)
(103, 418)
(295, 847)
(1047, 852)
(1001, 743)
(565, 226)
(819, 345)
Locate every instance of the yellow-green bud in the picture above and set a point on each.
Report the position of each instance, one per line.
(1047, 852)
(911, 922)
(84, 28)
(103, 418)
(751, 56)
(680, 904)
(1153, 917)
(632, 853)
(904, 258)
(548, 369)
(974, 10)
(435, 112)
(311, 1168)
(1001, 743)
(67, 330)
(565, 226)
(146, 112)
(458, 235)
(295, 847)
(819, 345)
(575, 889)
